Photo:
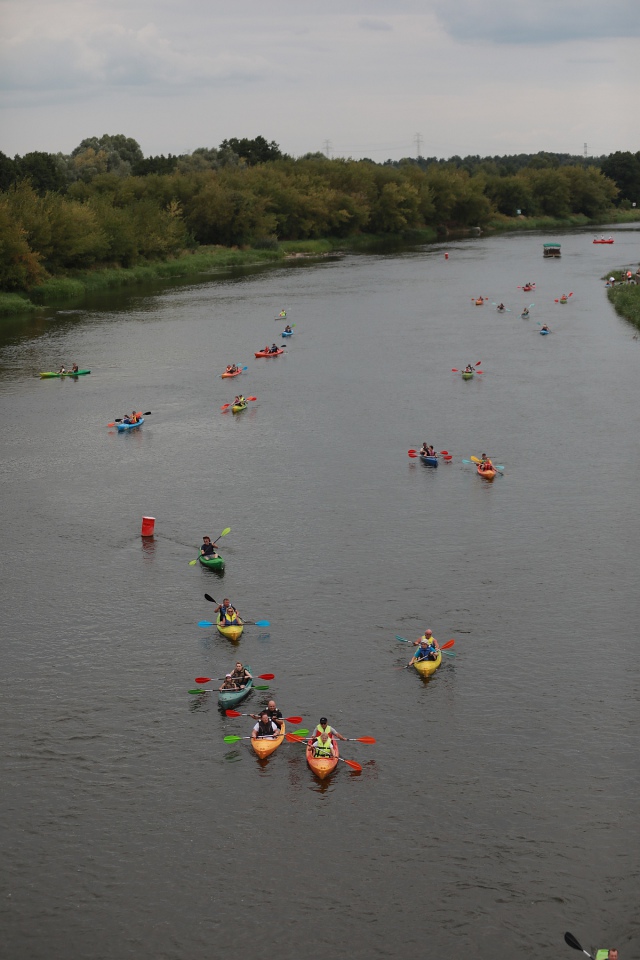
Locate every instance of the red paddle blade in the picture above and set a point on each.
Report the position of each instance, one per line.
(200, 680)
(225, 406)
(366, 739)
(478, 362)
(413, 454)
(445, 453)
(454, 370)
(352, 764)
(267, 676)
(111, 424)
(449, 643)
(411, 451)
(252, 398)
(233, 713)
(448, 457)
(295, 720)
(479, 371)
(293, 739)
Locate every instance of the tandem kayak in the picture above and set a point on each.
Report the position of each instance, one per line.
(129, 426)
(229, 698)
(212, 563)
(466, 375)
(232, 631)
(426, 667)
(486, 474)
(429, 461)
(287, 333)
(238, 407)
(321, 766)
(479, 302)
(263, 353)
(68, 373)
(265, 746)
(237, 372)
(610, 240)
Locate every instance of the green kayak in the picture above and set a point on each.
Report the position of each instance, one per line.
(229, 698)
(68, 373)
(212, 563)
(466, 375)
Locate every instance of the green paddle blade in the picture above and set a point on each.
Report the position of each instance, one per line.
(198, 691)
(193, 562)
(261, 688)
(232, 739)
(225, 532)
(300, 733)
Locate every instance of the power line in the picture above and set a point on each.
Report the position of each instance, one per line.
(417, 139)
(327, 149)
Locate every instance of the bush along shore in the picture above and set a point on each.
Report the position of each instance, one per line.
(624, 294)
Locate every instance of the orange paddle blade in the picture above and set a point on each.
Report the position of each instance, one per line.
(449, 643)
(352, 764)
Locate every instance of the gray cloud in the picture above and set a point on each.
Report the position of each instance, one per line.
(369, 24)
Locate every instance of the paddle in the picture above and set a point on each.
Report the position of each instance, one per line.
(120, 419)
(263, 676)
(572, 942)
(223, 534)
(211, 690)
(255, 623)
(349, 763)
(500, 308)
(361, 739)
(225, 406)
(443, 648)
(234, 713)
(558, 299)
(414, 454)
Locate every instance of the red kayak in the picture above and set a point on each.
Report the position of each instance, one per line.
(235, 374)
(268, 353)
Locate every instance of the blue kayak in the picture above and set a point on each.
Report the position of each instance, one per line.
(545, 332)
(129, 426)
(287, 333)
(430, 461)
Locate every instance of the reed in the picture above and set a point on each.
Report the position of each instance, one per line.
(13, 303)
(626, 300)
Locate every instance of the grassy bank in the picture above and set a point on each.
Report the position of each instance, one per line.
(13, 303)
(626, 300)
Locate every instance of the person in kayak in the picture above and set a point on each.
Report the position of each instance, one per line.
(264, 728)
(430, 640)
(74, 368)
(323, 745)
(525, 312)
(231, 617)
(208, 549)
(240, 675)
(425, 651)
(239, 400)
(223, 607)
(323, 727)
(501, 307)
(274, 348)
(486, 463)
(272, 712)
(288, 329)
(545, 327)
(469, 369)
(228, 683)
(283, 314)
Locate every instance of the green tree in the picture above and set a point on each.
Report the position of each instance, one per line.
(623, 168)
(253, 151)
(43, 170)
(20, 267)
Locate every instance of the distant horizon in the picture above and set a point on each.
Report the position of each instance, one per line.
(434, 76)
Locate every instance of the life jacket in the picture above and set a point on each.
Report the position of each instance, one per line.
(265, 729)
(320, 730)
(323, 749)
(230, 619)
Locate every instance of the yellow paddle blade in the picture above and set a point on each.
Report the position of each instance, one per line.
(475, 460)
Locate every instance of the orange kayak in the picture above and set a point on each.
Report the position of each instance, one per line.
(268, 745)
(263, 353)
(486, 474)
(231, 374)
(321, 766)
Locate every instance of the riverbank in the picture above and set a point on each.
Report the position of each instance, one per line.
(625, 297)
(73, 287)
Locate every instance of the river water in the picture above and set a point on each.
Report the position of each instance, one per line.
(499, 807)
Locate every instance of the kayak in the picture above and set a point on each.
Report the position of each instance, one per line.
(543, 333)
(265, 746)
(238, 371)
(426, 667)
(212, 563)
(321, 766)
(229, 698)
(467, 376)
(263, 353)
(69, 373)
(525, 316)
(527, 289)
(604, 241)
(479, 303)
(429, 461)
(129, 426)
(486, 474)
(232, 631)
(287, 333)
(561, 300)
(238, 407)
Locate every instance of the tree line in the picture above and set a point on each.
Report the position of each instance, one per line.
(106, 204)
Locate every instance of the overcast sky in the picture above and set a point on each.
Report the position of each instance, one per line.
(470, 76)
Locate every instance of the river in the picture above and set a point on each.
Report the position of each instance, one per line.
(499, 806)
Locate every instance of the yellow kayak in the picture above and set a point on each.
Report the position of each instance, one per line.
(426, 667)
(232, 631)
(265, 746)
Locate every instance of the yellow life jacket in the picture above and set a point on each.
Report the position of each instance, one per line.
(323, 749)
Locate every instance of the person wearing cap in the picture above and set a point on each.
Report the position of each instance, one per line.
(273, 713)
(208, 549)
(228, 614)
(228, 683)
(323, 727)
(240, 675)
(428, 647)
(265, 727)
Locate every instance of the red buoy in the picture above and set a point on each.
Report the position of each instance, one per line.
(446, 256)
(148, 523)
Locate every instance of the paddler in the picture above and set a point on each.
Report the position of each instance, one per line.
(288, 329)
(265, 728)
(283, 314)
(208, 549)
(323, 746)
(225, 606)
(545, 327)
(429, 643)
(274, 348)
(525, 312)
(74, 368)
(272, 712)
(240, 675)
(469, 369)
(323, 727)
(486, 463)
(61, 371)
(228, 683)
